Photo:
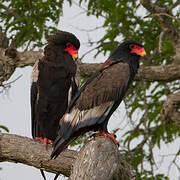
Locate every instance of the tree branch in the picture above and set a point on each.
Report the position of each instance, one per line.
(24, 150)
(21, 59)
(151, 7)
(165, 73)
(100, 159)
(164, 14)
(170, 111)
(148, 73)
(28, 58)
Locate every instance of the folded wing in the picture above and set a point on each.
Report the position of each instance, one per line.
(94, 104)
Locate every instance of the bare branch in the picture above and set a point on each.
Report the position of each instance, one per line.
(28, 58)
(152, 7)
(174, 162)
(21, 59)
(100, 159)
(165, 14)
(148, 73)
(6, 86)
(86, 30)
(24, 150)
(91, 50)
(162, 14)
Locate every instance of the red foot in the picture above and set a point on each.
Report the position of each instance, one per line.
(102, 133)
(44, 140)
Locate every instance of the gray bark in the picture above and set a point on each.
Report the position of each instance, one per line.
(24, 150)
(100, 159)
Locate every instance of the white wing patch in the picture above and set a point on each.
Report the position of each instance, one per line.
(87, 117)
(69, 94)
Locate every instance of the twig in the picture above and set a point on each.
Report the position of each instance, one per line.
(162, 14)
(86, 30)
(174, 5)
(88, 52)
(174, 162)
(6, 86)
(9, 11)
(152, 7)
(161, 36)
(84, 9)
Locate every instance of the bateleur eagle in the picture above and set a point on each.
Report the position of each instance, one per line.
(53, 85)
(100, 96)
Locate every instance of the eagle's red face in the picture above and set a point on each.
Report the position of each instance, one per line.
(137, 49)
(72, 50)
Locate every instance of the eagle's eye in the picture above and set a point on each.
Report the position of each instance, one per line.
(68, 45)
(131, 46)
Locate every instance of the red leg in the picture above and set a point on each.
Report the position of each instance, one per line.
(44, 140)
(102, 133)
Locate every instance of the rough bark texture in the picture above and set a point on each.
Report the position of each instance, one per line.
(11, 59)
(28, 58)
(100, 159)
(149, 73)
(170, 112)
(24, 150)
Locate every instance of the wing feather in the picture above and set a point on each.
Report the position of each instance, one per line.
(93, 104)
(107, 86)
(76, 121)
(34, 96)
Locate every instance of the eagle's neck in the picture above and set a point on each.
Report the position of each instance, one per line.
(132, 60)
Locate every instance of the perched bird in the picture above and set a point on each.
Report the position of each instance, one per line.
(53, 85)
(100, 96)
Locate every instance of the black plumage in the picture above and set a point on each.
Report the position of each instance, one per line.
(100, 96)
(53, 85)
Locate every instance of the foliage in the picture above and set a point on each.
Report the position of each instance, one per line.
(28, 23)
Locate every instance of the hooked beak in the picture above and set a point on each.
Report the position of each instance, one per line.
(142, 53)
(75, 56)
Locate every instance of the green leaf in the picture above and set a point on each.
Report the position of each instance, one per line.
(4, 128)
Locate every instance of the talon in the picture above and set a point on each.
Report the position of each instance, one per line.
(112, 136)
(45, 141)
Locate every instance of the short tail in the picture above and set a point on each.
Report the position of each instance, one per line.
(59, 145)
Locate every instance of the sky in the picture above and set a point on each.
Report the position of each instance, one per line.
(15, 105)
